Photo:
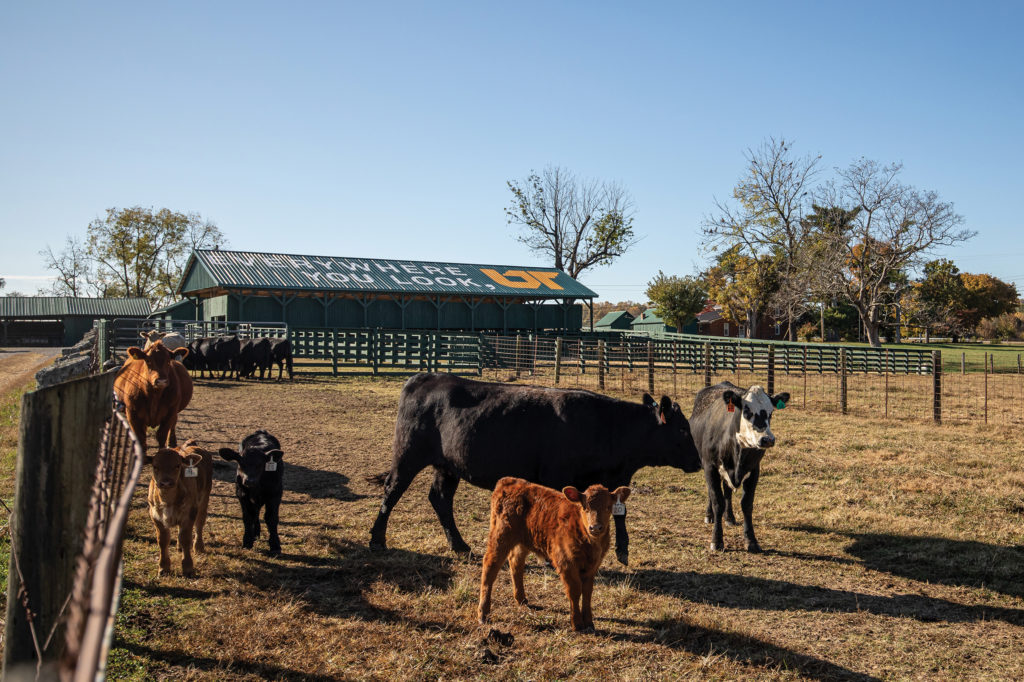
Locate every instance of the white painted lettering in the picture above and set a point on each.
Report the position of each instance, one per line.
(399, 282)
(299, 262)
(217, 258)
(411, 269)
(425, 281)
(325, 264)
(384, 267)
(452, 270)
(274, 262)
(356, 265)
(313, 275)
(445, 281)
(467, 282)
(363, 279)
(433, 270)
(337, 277)
(245, 260)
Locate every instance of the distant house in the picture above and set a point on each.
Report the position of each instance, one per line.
(649, 321)
(616, 320)
(712, 322)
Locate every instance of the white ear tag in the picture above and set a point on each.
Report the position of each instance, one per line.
(271, 466)
(619, 508)
(191, 472)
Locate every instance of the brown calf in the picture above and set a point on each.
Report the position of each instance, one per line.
(154, 387)
(179, 494)
(568, 528)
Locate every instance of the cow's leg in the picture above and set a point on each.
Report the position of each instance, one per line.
(588, 591)
(441, 496)
(138, 425)
(163, 538)
(185, 547)
(716, 500)
(498, 549)
(516, 568)
(165, 433)
(621, 540)
(394, 487)
(204, 505)
(728, 516)
(250, 522)
(747, 505)
(270, 516)
(574, 591)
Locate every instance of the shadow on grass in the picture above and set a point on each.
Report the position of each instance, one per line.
(963, 563)
(745, 592)
(188, 660)
(701, 642)
(316, 483)
(336, 585)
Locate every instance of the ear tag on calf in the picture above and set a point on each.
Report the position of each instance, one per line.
(191, 472)
(271, 466)
(780, 405)
(730, 407)
(619, 508)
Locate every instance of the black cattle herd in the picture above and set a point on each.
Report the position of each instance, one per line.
(231, 356)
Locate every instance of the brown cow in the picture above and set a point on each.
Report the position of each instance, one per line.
(179, 494)
(154, 387)
(568, 528)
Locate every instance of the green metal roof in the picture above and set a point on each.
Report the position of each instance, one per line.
(620, 317)
(210, 270)
(50, 307)
(650, 318)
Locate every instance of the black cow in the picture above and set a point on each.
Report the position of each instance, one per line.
(281, 353)
(732, 429)
(259, 482)
(195, 361)
(221, 354)
(254, 354)
(482, 432)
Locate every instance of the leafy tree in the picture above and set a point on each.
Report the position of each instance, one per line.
(895, 228)
(987, 296)
(766, 220)
(139, 252)
(743, 285)
(677, 300)
(578, 224)
(939, 299)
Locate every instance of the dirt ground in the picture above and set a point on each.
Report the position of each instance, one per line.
(892, 552)
(18, 365)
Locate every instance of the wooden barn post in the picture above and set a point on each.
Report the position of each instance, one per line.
(58, 445)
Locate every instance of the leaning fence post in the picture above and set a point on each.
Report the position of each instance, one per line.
(842, 379)
(707, 364)
(771, 370)
(58, 443)
(650, 366)
(600, 364)
(937, 384)
(558, 359)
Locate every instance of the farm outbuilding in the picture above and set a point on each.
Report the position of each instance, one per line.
(339, 292)
(60, 320)
(616, 320)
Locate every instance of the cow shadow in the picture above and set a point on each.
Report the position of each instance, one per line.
(729, 590)
(316, 483)
(336, 585)
(680, 635)
(188, 661)
(961, 563)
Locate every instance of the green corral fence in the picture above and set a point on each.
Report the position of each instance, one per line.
(892, 383)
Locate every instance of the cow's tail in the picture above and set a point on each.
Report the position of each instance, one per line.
(379, 479)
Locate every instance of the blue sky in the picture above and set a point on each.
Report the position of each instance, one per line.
(389, 130)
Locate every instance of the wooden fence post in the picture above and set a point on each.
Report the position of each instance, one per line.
(771, 370)
(963, 363)
(650, 366)
(842, 380)
(707, 364)
(937, 384)
(805, 376)
(600, 364)
(986, 388)
(558, 359)
(58, 444)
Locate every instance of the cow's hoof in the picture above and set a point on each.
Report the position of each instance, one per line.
(378, 545)
(274, 551)
(164, 571)
(623, 557)
(462, 549)
(731, 522)
(753, 548)
(707, 519)
(717, 546)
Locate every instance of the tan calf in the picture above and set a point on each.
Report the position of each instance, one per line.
(179, 494)
(568, 528)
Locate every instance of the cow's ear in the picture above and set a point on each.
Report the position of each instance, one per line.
(229, 454)
(733, 399)
(665, 409)
(180, 353)
(276, 455)
(192, 459)
(144, 335)
(621, 493)
(572, 494)
(779, 400)
(647, 400)
(136, 352)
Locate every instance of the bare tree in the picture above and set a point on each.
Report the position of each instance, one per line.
(765, 218)
(199, 234)
(72, 266)
(894, 228)
(578, 224)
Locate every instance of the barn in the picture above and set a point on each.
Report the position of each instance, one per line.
(60, 320)
(342, 292)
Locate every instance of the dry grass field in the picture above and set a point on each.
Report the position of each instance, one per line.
(894, 550)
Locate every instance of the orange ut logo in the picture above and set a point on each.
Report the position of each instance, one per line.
(523, 279)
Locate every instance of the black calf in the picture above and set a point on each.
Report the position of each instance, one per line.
(259, 482)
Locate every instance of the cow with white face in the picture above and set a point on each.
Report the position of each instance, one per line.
(732, 429)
